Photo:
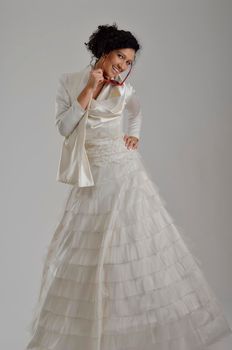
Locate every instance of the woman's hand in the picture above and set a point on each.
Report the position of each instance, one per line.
(131, 142)
(96, 78)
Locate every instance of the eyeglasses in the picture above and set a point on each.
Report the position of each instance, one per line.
(114, 81)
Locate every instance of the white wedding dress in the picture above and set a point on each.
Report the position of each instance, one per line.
(118, 272)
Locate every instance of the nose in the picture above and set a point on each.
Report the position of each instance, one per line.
(120, 67)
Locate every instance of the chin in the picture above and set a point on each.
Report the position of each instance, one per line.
(107, 75)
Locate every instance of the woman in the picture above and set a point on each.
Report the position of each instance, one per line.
(118, 273)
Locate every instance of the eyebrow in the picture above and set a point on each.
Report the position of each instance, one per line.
(124, 55)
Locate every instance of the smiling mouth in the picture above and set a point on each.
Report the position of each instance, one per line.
(116, 70)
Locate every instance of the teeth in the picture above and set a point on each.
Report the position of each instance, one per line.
(116, 69)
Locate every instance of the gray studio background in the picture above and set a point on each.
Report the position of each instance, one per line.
(183, 78)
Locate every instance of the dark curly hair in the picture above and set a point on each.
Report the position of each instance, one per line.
(107, 38)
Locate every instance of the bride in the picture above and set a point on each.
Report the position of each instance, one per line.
(118, 273)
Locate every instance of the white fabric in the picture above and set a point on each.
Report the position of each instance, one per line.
(74, 167)
(119, 273)
(104, 114)
(69, 111)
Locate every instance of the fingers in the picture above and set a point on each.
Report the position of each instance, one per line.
(125, 137)
(131, 142)
(96, 77)
(98, 70)
(98, 73)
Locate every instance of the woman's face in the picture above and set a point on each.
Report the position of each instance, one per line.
(116, 62)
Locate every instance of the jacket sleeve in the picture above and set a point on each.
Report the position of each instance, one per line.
(67, 113)
(134, 114)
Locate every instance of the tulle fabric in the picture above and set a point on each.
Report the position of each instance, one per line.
(119, 273)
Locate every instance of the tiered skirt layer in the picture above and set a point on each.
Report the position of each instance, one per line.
(118, 273)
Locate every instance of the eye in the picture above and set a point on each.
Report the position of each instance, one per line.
(129, 63)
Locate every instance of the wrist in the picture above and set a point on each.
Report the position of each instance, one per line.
(88, 89)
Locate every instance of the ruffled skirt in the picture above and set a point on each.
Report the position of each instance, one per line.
(119, 273)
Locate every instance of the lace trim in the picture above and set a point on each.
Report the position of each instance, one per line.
(108, 150)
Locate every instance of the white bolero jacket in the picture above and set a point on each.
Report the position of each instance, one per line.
(101, 120)
(68, 110)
